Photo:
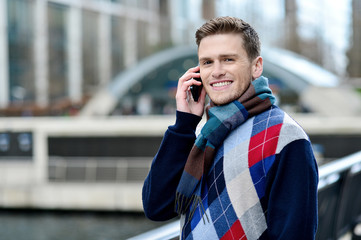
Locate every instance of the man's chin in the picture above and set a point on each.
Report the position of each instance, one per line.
(222, 101)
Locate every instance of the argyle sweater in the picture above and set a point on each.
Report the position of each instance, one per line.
(262, 184)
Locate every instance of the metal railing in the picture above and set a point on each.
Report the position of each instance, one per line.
(339, 203)
(98, 169)
(339, 198)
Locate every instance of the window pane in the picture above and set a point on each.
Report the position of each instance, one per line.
(117, 45)
(57, 52)
(90, 51)
(21, 42)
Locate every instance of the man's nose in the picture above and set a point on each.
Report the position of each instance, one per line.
(218, 70)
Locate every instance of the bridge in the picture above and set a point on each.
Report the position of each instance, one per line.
(291, 73)
(100, 163)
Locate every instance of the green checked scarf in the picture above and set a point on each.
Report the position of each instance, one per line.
(221, 121)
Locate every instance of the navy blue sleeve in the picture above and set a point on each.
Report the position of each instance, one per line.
(292, 188)
(161, 183)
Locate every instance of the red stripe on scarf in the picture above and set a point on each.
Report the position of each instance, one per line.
(235, 232)
(263, 144)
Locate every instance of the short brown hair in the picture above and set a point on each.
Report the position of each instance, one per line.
(221, 25)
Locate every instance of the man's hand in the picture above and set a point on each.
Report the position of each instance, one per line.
(184, 99)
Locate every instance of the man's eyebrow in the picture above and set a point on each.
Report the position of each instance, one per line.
(234, 55)
(204, 59)
(229, 55)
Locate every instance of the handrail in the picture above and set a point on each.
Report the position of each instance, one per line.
(328, 174)
(166, 232)
(340, 165)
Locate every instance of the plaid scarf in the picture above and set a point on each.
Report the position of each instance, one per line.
(221, 121)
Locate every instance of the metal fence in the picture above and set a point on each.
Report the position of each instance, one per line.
(82, 169)
(339, 198)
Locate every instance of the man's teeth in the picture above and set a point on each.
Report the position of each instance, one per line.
(221, 84)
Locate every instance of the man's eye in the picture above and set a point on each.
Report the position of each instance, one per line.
(229, 59)
(207, 62)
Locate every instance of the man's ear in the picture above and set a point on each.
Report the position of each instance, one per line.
(257, 67)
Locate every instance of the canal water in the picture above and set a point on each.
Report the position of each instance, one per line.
(45, 225)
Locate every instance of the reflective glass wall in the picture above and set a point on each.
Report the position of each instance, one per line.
(60, 53)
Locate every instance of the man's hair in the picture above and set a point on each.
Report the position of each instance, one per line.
(222, 25)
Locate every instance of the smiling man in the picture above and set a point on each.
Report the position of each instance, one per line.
(251, 172)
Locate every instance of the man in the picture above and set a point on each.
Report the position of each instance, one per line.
(251, 173)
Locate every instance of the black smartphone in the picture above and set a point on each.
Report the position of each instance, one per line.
(196, 90)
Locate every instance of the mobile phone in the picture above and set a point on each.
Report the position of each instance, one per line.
(196, 90)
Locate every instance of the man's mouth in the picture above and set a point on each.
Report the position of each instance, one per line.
(221, 84)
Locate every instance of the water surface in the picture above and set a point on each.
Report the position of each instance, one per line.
(56, 225)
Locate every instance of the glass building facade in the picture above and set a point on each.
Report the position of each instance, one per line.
(59, 53)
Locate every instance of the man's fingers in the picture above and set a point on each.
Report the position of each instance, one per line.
(184, 99)
(187, 80)
(191, 73)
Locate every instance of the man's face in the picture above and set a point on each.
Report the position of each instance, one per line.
(225, 69)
